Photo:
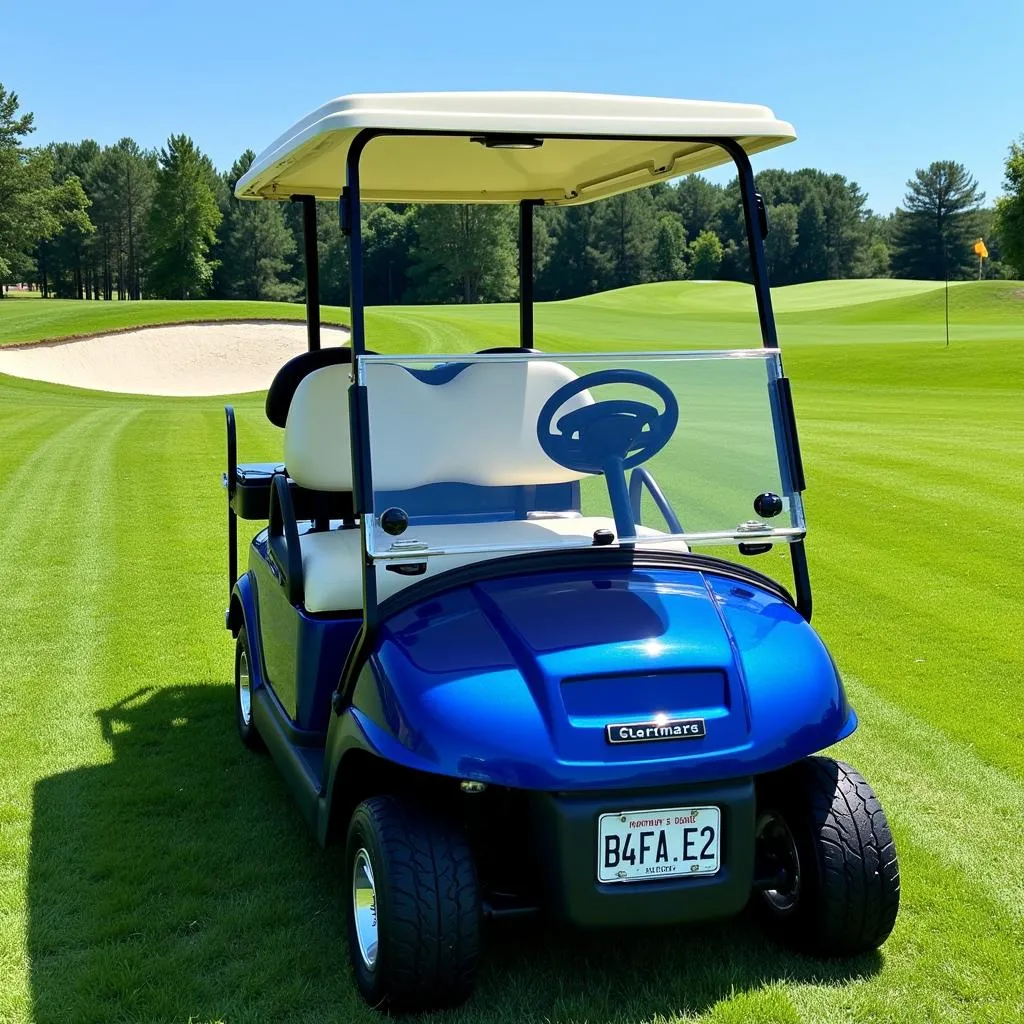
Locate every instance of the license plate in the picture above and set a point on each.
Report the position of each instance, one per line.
(666, 843)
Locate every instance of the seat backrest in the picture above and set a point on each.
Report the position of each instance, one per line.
(476, 425)
(287, 379)
(316, 433)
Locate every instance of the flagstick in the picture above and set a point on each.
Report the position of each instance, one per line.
(945, 253)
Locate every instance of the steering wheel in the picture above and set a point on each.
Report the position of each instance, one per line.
(609, 437)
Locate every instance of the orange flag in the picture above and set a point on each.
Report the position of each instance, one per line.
(980, 249)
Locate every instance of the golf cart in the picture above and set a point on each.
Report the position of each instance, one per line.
(474, 633)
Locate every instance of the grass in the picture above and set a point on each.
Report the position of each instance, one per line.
(152, 870)
(64, 318)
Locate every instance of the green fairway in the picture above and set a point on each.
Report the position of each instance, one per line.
(675, 314)
(64, 318)
(151, 869)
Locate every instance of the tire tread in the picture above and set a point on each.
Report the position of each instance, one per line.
(430, 945)
(852, 883)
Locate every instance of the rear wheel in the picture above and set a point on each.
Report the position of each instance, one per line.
(823, 840)
(413, 916)
(243, 695)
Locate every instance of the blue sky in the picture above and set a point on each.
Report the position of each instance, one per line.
(875, 89)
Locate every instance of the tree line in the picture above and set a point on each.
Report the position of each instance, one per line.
(92, 222)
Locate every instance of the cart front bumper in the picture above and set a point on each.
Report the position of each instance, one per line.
(566, 830)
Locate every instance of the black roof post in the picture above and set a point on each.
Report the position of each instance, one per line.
(311, 260)
(526, 271)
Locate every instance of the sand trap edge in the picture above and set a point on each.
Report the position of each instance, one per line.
(70, 339)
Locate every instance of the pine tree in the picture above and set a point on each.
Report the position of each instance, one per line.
(624, 230)
(698, 203)
(781, 243)
(258, 245)
(938, 223)
(183, 222)
(123, 182)
(669, 256)
(811, 257)
(576, 264)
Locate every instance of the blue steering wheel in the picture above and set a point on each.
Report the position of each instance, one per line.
(620, 431)
(609, 437)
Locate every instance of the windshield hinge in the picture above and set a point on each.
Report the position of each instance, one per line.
(784, 400)
(762, 214)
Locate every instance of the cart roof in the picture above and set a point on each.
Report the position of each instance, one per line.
(309, 158)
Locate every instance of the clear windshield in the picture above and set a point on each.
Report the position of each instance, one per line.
(515, 452)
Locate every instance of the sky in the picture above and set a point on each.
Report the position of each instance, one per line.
(874, 89)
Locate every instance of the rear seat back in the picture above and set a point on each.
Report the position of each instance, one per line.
(476, 425)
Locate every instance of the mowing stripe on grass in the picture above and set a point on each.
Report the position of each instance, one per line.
(962, 809)
(50, 505)
(161, 873)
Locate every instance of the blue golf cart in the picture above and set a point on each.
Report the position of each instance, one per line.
(475, 632)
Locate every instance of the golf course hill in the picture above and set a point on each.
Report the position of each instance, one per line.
(208, 347)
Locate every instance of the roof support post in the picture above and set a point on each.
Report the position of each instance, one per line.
(351, 225)
(311, 261)
(756, 224)
(359, 416)
(526, 271)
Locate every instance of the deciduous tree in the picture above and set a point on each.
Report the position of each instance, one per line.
(65, 261)
(1009, 218)
(464, 250)
(388, 237)
(32, 206)
(706, 255)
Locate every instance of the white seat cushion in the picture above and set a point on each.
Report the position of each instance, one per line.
(331, 560)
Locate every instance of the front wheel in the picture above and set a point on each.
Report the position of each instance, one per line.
(824, 842)
(413, 917)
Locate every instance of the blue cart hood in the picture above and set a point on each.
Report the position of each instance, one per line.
(516, 681)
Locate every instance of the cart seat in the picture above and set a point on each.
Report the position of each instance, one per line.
(331, 561)
(473, 425)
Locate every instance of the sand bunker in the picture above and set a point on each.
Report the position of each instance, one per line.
(183, 359)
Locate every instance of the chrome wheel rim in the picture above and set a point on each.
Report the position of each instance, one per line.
(778, 848)
(244, 692)
(364, 908)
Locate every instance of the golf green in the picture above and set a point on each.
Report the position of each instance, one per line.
(151, 869)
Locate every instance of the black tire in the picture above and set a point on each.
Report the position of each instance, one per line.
(845, 893)
(246, 726)
(425, 907)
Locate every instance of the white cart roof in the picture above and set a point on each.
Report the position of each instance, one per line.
(309, 158)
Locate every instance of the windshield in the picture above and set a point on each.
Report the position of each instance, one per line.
(518, 452)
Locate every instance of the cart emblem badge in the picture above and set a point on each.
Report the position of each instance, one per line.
(659, 728)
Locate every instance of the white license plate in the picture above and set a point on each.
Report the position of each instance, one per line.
(666, 843)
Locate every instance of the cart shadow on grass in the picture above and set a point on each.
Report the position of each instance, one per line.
(161, 889)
